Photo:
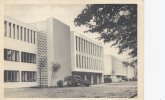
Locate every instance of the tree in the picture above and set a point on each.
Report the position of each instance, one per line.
(55, 68)
(116, 23)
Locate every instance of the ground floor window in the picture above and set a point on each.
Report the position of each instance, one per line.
(29, 76)
(11, 76)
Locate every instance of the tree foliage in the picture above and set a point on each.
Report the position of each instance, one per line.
(116, 23)
(55, 67)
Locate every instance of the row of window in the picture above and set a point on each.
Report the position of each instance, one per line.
(14, 76)
(84, 46)
(88, 63)
(28, 57)
(13, 55)
(18, 32)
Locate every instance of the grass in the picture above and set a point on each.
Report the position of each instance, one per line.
(116, 90)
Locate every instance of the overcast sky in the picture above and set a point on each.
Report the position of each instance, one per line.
(64, 13)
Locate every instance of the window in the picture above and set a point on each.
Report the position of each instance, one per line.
(88, 47)
(87, 63)
(31, 36)
(27, 35)
(84, 46)
(5, 28)
(79, 61)
(79, 43)
(82, 62)
(17, 32)
(9, 29)
(34, 37)
(11, 76)
(21, 34)
(11, 55)
(76, 43)
(14, 31)
(28, 76)
(76, 60)
(24, 34)
(28, 57)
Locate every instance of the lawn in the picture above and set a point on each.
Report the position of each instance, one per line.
(114, 90)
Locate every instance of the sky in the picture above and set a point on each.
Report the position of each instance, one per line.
(30, 13)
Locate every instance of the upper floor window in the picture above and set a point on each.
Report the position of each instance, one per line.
(76, 43)
(14, 31)
(5, 28)
(28, 57)
(9, 29)
(21, 36)
(31, 37)
(24, 34)
(34, 37)
(11, 55)
(18, 32)
(27, 35)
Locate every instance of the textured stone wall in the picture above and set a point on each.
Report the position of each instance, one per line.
(42, 59)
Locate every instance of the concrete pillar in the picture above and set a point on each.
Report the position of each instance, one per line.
(22, 33)
(85, 77)
(91, 79)
(11, 31)
(98, 80)
(32, 37)
(26, 34)
(16, 31)
(101, 78)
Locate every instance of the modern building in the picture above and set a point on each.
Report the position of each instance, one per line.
(115, 69)
(77, 54)
(20, 52)
(30, 50)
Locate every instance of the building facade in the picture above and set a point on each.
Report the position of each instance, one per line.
(87, 58)
(115, 69)
(20, 54)
(31, 50)
(76, 54)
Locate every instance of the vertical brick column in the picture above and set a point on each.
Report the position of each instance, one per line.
(42, 59)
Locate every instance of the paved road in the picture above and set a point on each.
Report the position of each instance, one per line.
(113, 90)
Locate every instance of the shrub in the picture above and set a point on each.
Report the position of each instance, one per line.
(73, 81)
(125, 79)
(86, 83)
(107, 80)
(134, 79)
(60, 83)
